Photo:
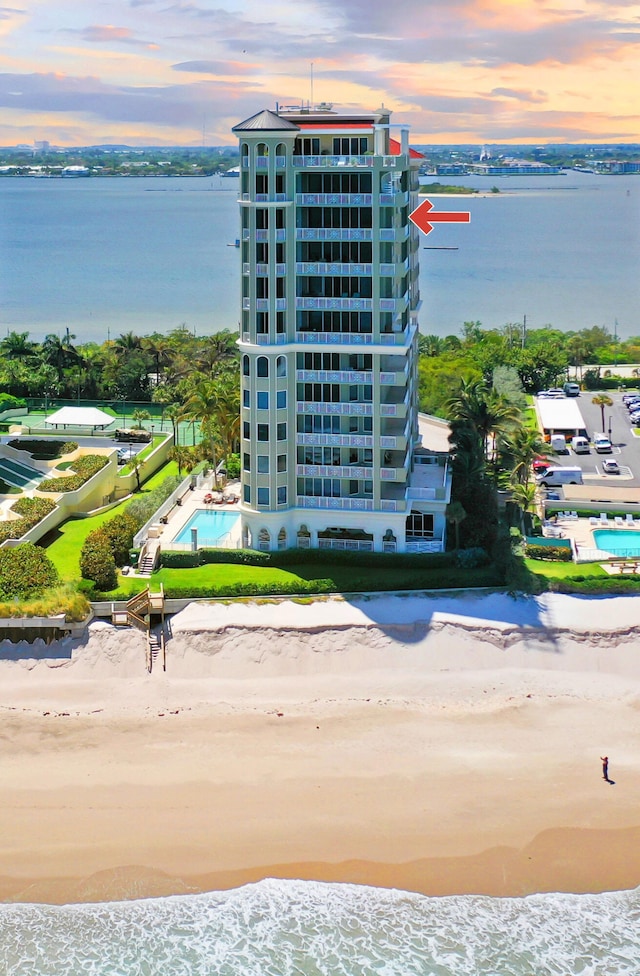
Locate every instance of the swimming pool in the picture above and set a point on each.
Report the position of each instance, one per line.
(619, 542)
(212, 526)
(19, 475)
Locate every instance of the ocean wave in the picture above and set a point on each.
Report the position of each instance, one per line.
(307, 928)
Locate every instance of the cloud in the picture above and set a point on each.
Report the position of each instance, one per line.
(108, 34)
(535, 98)
(215, 67)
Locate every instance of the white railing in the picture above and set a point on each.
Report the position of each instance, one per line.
(425, 545)
(335, 338)
(316, 162)
(325, 268)
(335, 234)
(346, 545)
(336, 304)
(334, 199)
(337, 440)
(421, 494)
(333, 376)
(334, 471)
(336, 504)
(333, 409)
(197, 480)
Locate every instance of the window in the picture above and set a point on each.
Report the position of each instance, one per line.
(263, 464)
(282, 462)
(263, 496)
(263, 432)
(262, 219)
(262, 321)
(281, 366)
(246, 462)
(246, 494)
(245, 430)
(263, 401)
(245, 365)
(262, 287)
(281, 399)
(280, 322)
(282, 496)
(281, 432)
(246, 398)
(263, 366)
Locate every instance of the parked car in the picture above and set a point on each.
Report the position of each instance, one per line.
(635, 417)
(609, 466)
(633, 405)
(633, 395)
(580, 445)
(602, 444)
(133, 434)
(541, 464)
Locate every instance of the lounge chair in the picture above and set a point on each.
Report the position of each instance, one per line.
(619, 520)
(594, 520)
(574, 515)
(629, 519)
(208, 498)
(604, 519)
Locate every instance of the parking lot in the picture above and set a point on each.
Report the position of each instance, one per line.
(625, 445)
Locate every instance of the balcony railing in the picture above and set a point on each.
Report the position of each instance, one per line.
(394, 233)
(334, 440)
(335, 338)
(334, 199)
(333, 471)
(335, 409)
(323, 268)
(400, 199)
(335, 234)
(346, 545)
(337, 304)
(337, 504)
(332, 376)
(422, 494)
(425, 545)
(314, 162)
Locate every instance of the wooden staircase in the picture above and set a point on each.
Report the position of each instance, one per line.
(138, 613)
(148, 557)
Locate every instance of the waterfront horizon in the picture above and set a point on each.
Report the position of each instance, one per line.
(106, 256)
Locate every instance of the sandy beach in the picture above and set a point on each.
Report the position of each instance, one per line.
(441, 745)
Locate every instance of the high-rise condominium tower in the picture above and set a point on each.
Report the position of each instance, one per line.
(331, 454)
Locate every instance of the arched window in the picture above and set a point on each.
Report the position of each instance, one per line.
(281, 149)
(262, 149)
(264, 540)
(245, 365)
(262, 366)
(303, 538)
(282, 538)
(281, 366)
(244, 153)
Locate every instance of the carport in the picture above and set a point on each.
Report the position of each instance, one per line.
(560, 416)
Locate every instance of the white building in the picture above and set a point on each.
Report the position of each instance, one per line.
(331, 455)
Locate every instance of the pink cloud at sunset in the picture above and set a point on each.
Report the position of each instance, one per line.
(159, 71)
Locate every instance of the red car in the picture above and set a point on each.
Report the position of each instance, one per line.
(540, 464)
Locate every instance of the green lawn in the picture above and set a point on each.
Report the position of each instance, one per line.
(63, 545)
(557, 570)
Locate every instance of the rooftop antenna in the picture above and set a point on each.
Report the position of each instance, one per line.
(311, 86)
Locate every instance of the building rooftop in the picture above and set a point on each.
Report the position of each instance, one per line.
(265, 121)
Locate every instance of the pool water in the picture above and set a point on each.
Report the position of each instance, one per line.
(620, 542)
(19, 475)
(212, 526)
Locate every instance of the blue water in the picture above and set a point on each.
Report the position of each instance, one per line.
(212, 525)
(295, 928)
(623, 542)
(149, 254)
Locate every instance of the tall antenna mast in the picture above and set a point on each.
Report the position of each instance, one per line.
(311, 85)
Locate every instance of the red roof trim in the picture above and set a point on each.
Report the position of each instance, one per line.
(394, 150)
(335, 125)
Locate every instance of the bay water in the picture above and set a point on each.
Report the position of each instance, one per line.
(296, 928)
(102, 256)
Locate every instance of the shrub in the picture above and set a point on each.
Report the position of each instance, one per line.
(97, 562)
(44, 449)
(24, 571)
(31, 510)
(287, 558)
(120, 531)
(470, 558)
(8, 402)
(556, 553)
(85, 468)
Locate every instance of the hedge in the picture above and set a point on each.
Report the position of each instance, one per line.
(85, 468)
(44, 450)
(283, 559)
(31, 510)
(561, 554)
(594, 585)
(24, 571)
(8, 402)
(96, 560)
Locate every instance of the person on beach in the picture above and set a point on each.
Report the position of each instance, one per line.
(605, 767)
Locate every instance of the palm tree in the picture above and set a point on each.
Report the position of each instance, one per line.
(138, 417)
(16, 345)
(203, 405)
(127, 343)
(602, 400)
(524, 496)
(59, 353)
(521, 448)
(486, 412)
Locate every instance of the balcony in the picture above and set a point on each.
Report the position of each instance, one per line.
(322, 162)
(391, 270)
(393, 379)
(335, 338)
(333, 471)
(332, 376)
(397, 234)
(322, 268)
(334, 440)
(400, 199)
(347, 545)
(335, 409)
(337, 504)
(338, 304)
(335, 234)
(393, 474)
(334, 199)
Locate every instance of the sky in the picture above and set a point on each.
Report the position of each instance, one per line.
(183, 72)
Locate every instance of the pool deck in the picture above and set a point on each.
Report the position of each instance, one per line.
(193, 501)
(580, 532)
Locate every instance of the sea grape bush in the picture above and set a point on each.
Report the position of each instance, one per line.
(97, 562)
(45, 449)
(85, 467)
(31, 511)
(24, 571)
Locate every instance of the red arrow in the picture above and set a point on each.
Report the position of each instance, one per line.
(424, 219)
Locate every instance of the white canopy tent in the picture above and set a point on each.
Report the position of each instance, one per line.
(79, 417)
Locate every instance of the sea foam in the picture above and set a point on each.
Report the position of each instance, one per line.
(277, 928)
